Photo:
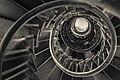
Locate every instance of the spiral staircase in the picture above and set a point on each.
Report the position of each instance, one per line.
(59, 40)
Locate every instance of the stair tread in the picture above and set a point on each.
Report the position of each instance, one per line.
(55, 74)
(113, 72)
(45, 69)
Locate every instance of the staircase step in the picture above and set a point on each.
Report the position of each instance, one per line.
(113, 72)
(45, 69)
